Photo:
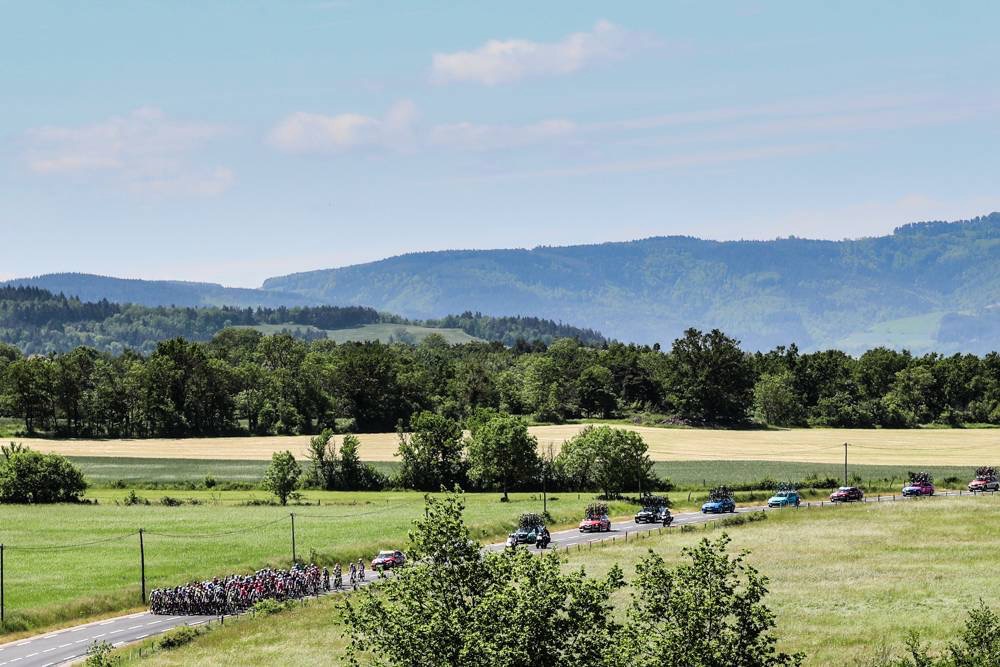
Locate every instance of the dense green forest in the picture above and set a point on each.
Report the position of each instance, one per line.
(40, 322)
(926, 287)
(242, 381)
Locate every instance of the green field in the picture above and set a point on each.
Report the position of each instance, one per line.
(684, 475)
(843, 582)
(66, 562)
(407, 333)
(916, 333)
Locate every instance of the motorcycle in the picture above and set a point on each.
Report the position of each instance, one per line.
(511, 541)
(667, 520)
(542, 541)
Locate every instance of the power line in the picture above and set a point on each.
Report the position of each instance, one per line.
(64, 547)
(199, 536)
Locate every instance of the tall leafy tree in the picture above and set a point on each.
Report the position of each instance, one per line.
(462, 607)
(282, 477)
(607, 458)
(711, 378)
(501, 451)
(431, 455)
(709, 612)
(776, 402)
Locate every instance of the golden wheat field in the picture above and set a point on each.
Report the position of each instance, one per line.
(875, 446)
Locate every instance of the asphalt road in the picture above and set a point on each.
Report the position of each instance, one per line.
(71, 644)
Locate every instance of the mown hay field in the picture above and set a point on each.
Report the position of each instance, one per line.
(844, 581)
(941, 447)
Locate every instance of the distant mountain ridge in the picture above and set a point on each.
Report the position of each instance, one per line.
(930, 286)
(938, 276)
(90, 287)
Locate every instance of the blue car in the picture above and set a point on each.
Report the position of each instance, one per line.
(719, 506)
(784, 499)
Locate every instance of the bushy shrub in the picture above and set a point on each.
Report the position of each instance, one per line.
(27, 476)
(179, 637)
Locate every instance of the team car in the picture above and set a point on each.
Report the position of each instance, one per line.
(648, 515)
(847, 494)
(596, 524)
(388, 560)
(918, 489)
(719, 506)
(784, 499)
(984, 484)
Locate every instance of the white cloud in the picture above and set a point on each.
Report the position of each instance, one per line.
(311, 133)
(146, 149)
(504, 61)
(474, 136)
(303, 132)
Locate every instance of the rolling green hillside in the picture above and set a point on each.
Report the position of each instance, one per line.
(40, 322)
(927, 285)
(387, 332)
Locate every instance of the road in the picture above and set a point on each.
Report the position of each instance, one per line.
(71, 644)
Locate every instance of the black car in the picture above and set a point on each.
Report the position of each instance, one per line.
(647, 515)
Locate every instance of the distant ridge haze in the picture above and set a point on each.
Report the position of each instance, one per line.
(926, 286)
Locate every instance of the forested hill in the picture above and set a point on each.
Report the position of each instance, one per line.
(40, 322)
(927, 286)
(89, 287)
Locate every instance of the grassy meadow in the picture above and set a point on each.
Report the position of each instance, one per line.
(66, 562)
(843, 582)
(906, 447)
(684, 475)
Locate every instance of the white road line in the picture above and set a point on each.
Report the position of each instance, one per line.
(134, 627)
(107, 622)
(65, 645)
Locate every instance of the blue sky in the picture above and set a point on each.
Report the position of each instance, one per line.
(230, 142)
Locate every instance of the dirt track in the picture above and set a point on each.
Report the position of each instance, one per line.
(909, 447)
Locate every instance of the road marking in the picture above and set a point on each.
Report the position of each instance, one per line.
(107, 622)
(49, 650)
(135, 627)
(65, 645)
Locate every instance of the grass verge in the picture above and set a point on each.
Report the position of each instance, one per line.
(843, 582)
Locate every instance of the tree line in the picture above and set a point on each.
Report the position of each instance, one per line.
(39, 322)
(244, 382)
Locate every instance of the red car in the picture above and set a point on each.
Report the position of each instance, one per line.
(847, 494)
(596, 524)
(982, 484)
(918, 489)
(388, 560)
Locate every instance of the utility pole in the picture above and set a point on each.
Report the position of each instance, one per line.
(845, 464)
(2, 609)
(142, 565)
(639, 473)
(293, 538)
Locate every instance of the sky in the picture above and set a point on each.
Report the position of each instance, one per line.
(233, 141)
